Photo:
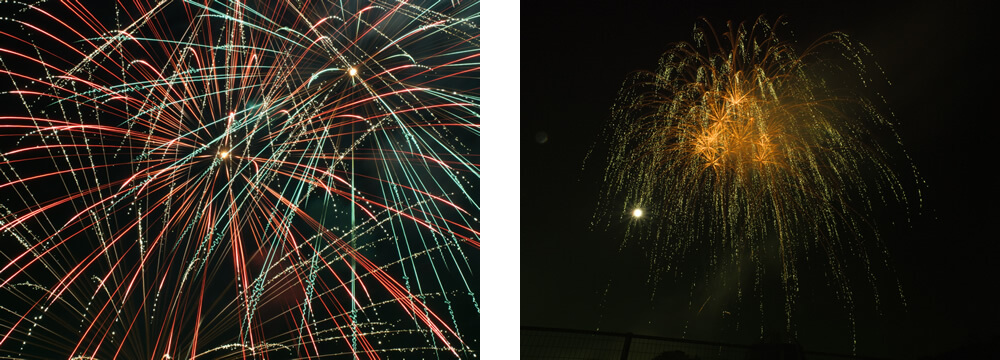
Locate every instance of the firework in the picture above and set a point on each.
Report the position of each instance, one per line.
(227, 179)
(744, 150)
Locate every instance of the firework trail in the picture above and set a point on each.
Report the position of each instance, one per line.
(235, 179)
(743, 150)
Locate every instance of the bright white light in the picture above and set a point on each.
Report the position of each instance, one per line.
(352, 71)
(637, 213)
(223, 154)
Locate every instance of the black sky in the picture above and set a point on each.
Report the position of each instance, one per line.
(938, 59)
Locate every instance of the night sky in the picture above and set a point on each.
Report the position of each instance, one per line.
(937, 57)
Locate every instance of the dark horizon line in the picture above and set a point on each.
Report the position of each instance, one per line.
(689, 341)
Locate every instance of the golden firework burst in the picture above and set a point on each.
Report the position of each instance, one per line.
(743, 149)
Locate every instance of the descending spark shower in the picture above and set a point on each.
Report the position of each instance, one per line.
(239, 179)
(743, 152)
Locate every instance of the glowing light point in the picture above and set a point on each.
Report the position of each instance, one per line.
(223, 154)
(352, 72)
(637, 213)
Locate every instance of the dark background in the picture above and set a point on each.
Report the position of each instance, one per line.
(938, 57)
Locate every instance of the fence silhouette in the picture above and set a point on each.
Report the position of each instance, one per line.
(540, 343)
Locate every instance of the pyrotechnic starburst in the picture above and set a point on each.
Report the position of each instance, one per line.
(742, 149)
(234, 179)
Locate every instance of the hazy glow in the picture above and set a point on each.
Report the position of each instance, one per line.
(637, 213)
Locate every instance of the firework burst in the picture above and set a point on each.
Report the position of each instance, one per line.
(744, 150)
(228, 179)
